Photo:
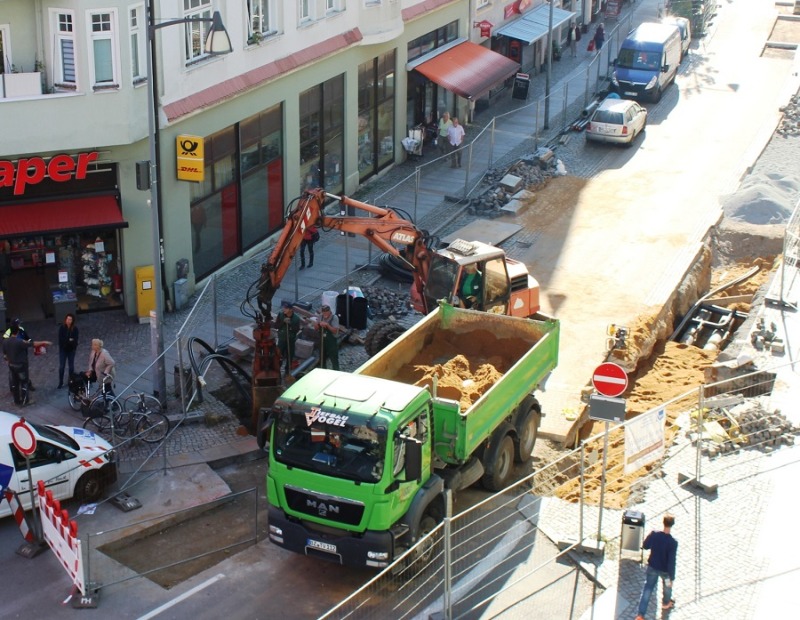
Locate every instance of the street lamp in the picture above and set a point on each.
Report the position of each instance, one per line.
(217, 42)
(549, 66)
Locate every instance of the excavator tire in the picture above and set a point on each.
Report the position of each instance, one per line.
(382, 335)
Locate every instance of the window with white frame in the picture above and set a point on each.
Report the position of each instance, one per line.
(260, 19)
(63, 26)
(103, 49)
(137, 26)
(332, 6)
(5, 49)
(196, 32)
(305, 10)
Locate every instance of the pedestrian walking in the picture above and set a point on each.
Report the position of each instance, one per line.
(599, 37)
(15, 351)
(328, 324)
(101, 364)
(310, 237)
(573, 36)
(455, 136)
(288, 326)
(443, 139)
(661, 563)
(67, 344)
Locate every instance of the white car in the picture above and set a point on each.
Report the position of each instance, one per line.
(72, 462)
(616, 120)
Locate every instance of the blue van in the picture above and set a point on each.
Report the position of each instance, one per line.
(647, 62)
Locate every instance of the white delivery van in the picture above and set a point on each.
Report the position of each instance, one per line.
(73, 462)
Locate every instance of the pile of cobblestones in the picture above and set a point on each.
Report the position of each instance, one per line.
(385, 302)
(790, 123)
(533, 169)
(749, 424)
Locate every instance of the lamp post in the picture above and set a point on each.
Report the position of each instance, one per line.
(217, 42)
(549, 67)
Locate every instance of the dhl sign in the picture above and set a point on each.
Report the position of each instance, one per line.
(190, 158)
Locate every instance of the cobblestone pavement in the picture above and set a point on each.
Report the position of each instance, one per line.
(726, 565)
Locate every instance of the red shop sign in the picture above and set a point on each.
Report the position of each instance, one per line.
(32, 170)
(486, 28)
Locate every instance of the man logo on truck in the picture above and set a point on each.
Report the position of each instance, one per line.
(322, 508)
(315, 414)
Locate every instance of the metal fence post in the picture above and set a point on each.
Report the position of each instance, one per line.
(582, 501)
(536, 127)
(491, 140)
(448, 555)
(417, 179)
(466, 171)
(214, 309)
(586, 92)
(701, 403)
(181, 379)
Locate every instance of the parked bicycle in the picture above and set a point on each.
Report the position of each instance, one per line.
(140, 415)
(92, 405)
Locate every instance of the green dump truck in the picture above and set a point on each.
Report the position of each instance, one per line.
(358, 462)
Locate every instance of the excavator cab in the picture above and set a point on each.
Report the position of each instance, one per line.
(469, 278)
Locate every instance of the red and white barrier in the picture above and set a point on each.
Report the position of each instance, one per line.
(19, 514)
(62, 536)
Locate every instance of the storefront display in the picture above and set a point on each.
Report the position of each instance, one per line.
(47, 276)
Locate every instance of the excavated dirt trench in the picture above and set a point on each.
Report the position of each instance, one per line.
(658, 369)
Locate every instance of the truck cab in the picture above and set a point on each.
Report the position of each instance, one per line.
(357, 450)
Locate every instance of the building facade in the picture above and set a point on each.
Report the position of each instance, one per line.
(314, 93)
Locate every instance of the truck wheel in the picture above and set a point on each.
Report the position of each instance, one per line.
(90, 487)
(424, 552)
(527, 430)
(499, 463)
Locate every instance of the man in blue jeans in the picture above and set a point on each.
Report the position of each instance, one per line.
(661, 563)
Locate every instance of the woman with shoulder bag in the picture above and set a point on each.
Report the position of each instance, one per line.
(67, 345)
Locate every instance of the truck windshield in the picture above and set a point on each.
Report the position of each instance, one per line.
(334, 443)
(637, 59)
(441, 279)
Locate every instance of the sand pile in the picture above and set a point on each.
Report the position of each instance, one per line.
(465, 365)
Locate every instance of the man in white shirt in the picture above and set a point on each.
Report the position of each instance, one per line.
(455, 136)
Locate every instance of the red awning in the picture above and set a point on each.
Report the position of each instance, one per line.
(60, 216)
(468, 69)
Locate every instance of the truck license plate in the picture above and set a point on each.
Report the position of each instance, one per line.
(630, 93)
(321, 545)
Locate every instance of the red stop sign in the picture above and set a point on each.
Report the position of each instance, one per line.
(610, 379)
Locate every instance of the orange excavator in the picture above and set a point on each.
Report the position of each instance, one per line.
(465, 273)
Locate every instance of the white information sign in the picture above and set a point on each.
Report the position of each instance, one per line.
(644, 439)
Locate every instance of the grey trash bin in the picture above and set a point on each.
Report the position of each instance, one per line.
(632, 535)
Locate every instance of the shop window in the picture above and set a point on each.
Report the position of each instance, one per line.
(5, 49)
(376, 110)
(320, 132)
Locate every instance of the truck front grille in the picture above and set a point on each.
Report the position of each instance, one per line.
(324, 506)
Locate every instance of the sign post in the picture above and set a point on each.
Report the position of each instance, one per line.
(611, 381)
(25, 442)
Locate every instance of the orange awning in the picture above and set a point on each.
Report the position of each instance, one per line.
(469, 70)
(60, 216)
